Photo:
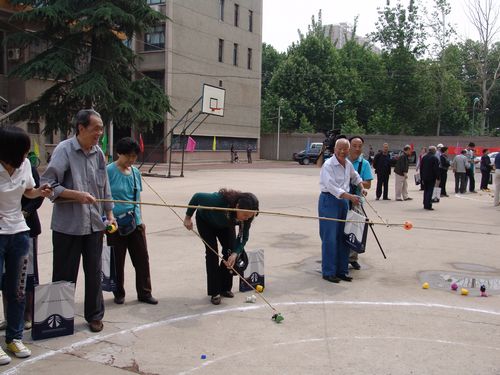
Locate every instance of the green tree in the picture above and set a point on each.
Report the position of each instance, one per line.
(88, 62)
(271, 59)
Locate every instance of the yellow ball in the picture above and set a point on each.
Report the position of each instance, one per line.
(259, 288)
(464, 292)
(425, 286)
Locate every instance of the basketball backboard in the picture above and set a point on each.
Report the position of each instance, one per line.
(213, 100)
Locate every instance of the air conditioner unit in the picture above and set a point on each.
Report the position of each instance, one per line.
(156, 7)
(13, 54)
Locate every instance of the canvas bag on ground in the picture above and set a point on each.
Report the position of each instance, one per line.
(108, 269)
(355, 231)
(54, 310)
(417, 178)
(254, 273)
(436, 194)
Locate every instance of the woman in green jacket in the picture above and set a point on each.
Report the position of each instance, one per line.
(215, 225)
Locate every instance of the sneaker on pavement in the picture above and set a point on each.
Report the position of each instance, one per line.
(4, 358)
(17, 348)
(28, 324)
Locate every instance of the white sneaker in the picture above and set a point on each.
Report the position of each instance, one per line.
(17, 348)
(4, 358)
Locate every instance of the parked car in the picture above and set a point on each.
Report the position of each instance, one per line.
(306, 157)
(395, 154)
(492, 155)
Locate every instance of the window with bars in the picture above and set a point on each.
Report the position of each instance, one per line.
(249, 58)
(221, 50)
(250, 20)
(154, 38)
(236, 15)
(154, 2)
(221, 10)
(235, 54)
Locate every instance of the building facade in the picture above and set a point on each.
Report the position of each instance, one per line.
(215, 42)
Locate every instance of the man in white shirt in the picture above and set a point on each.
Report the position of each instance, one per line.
(337, 174)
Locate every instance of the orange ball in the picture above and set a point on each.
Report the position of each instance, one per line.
(408, 225)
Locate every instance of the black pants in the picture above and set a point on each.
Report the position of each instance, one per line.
(219, 278)
(137, 247)
(443, 179)
(470, 177)
(428, 190)
(485, 178)
(382, 183)
(66, 260)
(460, 182)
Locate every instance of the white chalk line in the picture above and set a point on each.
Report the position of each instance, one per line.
(98, 338)
(335, 338)
(472, 199)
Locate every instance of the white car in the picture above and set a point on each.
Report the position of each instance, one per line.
(492, 155)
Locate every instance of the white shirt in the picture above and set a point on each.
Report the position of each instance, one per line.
(12, 189)
(335, 179)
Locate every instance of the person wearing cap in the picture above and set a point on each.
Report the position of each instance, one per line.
(444, 165)
(220, 225)
(401, 174)
(471, 170)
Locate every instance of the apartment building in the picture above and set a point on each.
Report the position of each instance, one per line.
(215, 42)
(340, 33)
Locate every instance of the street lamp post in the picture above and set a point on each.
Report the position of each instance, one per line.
(474, 102)
(333, 112)
(278, 141)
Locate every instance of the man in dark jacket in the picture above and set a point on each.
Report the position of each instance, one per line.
(401, 175)
(382, 165)
(429, 173)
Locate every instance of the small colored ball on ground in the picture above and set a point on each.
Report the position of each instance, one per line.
(464, 292)
(408, 225)
(203, 356)
(259, 288)
(482, 288)
(425, 286)
(454, 286)
(484, 294)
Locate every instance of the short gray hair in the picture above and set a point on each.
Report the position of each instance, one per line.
(83, 118)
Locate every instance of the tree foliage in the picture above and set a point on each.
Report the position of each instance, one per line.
(421, 82)
(88, 62)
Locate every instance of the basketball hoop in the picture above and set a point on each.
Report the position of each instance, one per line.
(215, 109)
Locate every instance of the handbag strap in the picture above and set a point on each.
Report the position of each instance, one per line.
(135, 185)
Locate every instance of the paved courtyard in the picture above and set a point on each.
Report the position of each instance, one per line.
(381, 323)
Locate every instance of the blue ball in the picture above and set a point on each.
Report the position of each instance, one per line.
(203, 356)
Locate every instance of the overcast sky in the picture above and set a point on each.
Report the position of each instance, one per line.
(282, 18)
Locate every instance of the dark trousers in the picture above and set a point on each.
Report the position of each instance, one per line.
(485, 178)
(66, 260)
(443, 179)
(470, 178)
(428, 189)
(137, 247)
(460, 182)
(382, 183)
(334, 251)
(219, 278)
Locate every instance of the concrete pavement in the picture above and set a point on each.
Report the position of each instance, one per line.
(381, 323)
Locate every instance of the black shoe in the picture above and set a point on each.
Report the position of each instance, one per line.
(96, 325)
(332, 279)
(119, 300)
(151, 300)
(429, 208)
(408, 199)
(377, 198)
(345, 278)
(215, 300)
(227, 294)
(355, 265)
(387, 199)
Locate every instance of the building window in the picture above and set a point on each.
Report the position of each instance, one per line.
(158, 77)
(220, 83)
(221, 10)
(221, 50)
(236, 14)
(250, 20)
(153, 2)
(235, 54)
(154, 39)
(249, 59)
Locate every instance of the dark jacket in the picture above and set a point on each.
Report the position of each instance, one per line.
(402, 165)
(429, 168)
(444, 162)
(382, 164)
(31, 205)
(485, 164)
